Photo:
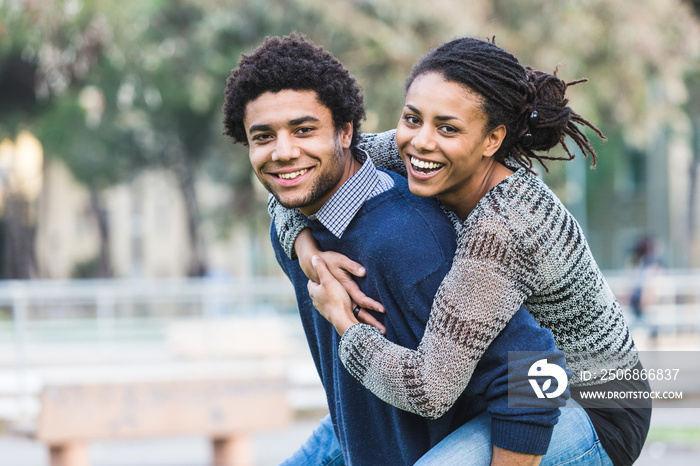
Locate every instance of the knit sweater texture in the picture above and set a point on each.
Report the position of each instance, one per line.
(407, 245)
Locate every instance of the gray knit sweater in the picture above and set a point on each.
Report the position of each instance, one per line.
(518, 246)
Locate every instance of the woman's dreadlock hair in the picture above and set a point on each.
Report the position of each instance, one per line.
(529, 103)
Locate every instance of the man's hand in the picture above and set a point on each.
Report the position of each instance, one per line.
(503, 457)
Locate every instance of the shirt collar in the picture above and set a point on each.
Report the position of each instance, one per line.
(337, 213)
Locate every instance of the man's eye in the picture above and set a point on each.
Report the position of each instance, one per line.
(261, 137)
(304, 130)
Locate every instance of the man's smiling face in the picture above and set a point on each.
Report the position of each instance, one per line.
(295, 149)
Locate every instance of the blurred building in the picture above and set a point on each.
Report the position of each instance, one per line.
(147, 230)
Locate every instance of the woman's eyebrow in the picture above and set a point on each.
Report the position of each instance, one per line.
(446, 118)
(412, 108)
(438, 118)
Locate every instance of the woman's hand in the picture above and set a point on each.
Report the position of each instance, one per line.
(342, 268)
(333, 302)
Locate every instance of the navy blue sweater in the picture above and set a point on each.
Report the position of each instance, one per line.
(406, 244)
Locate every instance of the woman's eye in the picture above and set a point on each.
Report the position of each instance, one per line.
(411, 120)
(448, 129)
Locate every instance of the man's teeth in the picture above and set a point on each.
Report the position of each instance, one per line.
(292, 175)
(425, 165)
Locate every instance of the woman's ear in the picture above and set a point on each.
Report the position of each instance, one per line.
(493, 140)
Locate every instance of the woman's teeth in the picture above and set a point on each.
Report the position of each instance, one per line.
(424, 166)
(292, 175)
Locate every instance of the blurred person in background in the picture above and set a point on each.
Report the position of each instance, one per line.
(474, 122)
(298, 110)
(646, 265)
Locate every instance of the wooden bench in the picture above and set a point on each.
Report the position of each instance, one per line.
(226, 410)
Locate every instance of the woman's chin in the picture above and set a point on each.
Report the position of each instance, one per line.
(421, 189)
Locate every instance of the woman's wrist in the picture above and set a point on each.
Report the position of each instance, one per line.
(344, 322)
(341, 317)
(306, 248)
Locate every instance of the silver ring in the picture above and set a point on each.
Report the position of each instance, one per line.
(356, 311)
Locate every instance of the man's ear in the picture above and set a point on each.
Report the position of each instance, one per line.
(345, 132)
(493, 140)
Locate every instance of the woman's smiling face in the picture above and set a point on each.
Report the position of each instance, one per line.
(443, 140)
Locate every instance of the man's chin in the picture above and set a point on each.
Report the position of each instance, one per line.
(288, 203)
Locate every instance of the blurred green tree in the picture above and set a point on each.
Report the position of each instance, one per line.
(639, 61)
(115, 88)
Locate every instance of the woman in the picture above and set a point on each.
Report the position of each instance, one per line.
(474, 122)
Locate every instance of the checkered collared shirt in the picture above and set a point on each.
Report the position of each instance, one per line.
(337, 213)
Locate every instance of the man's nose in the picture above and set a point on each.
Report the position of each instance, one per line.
(285, 148)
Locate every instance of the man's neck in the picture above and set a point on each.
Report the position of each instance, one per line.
(349, 169)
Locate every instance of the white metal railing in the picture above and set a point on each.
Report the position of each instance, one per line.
(671, 301)
(109, 292)
(33, 313)
(26, 305)
(32, 305)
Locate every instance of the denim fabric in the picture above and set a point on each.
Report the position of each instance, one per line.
(574, 443)
(321, 448)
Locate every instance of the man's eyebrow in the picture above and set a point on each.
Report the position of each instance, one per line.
(255, 128)
(302, 120)
(295, 122)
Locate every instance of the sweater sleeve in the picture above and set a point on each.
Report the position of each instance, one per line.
(491, 275)
(381, 148)
(288, 224)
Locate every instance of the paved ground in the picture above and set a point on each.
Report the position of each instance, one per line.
(674, 439)
(272, 447)
(269, 449)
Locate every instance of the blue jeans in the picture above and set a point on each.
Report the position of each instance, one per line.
(574, 443)
(321, 448)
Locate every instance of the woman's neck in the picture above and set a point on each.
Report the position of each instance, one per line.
(474, 191)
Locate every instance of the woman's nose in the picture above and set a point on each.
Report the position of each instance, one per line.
(424, 140)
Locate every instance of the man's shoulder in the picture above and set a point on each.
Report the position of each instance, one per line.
(399, 205)
(397, 223)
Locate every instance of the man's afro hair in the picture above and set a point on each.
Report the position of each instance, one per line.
(292, 63)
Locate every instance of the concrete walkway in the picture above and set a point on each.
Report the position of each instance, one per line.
(272, 447)
(165, 357)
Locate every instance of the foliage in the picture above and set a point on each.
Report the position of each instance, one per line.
(113, 88)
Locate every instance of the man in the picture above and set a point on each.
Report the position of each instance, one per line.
(299, 111)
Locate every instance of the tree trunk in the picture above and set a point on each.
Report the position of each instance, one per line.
(104, 260)
(18, 258)
(186, 178)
